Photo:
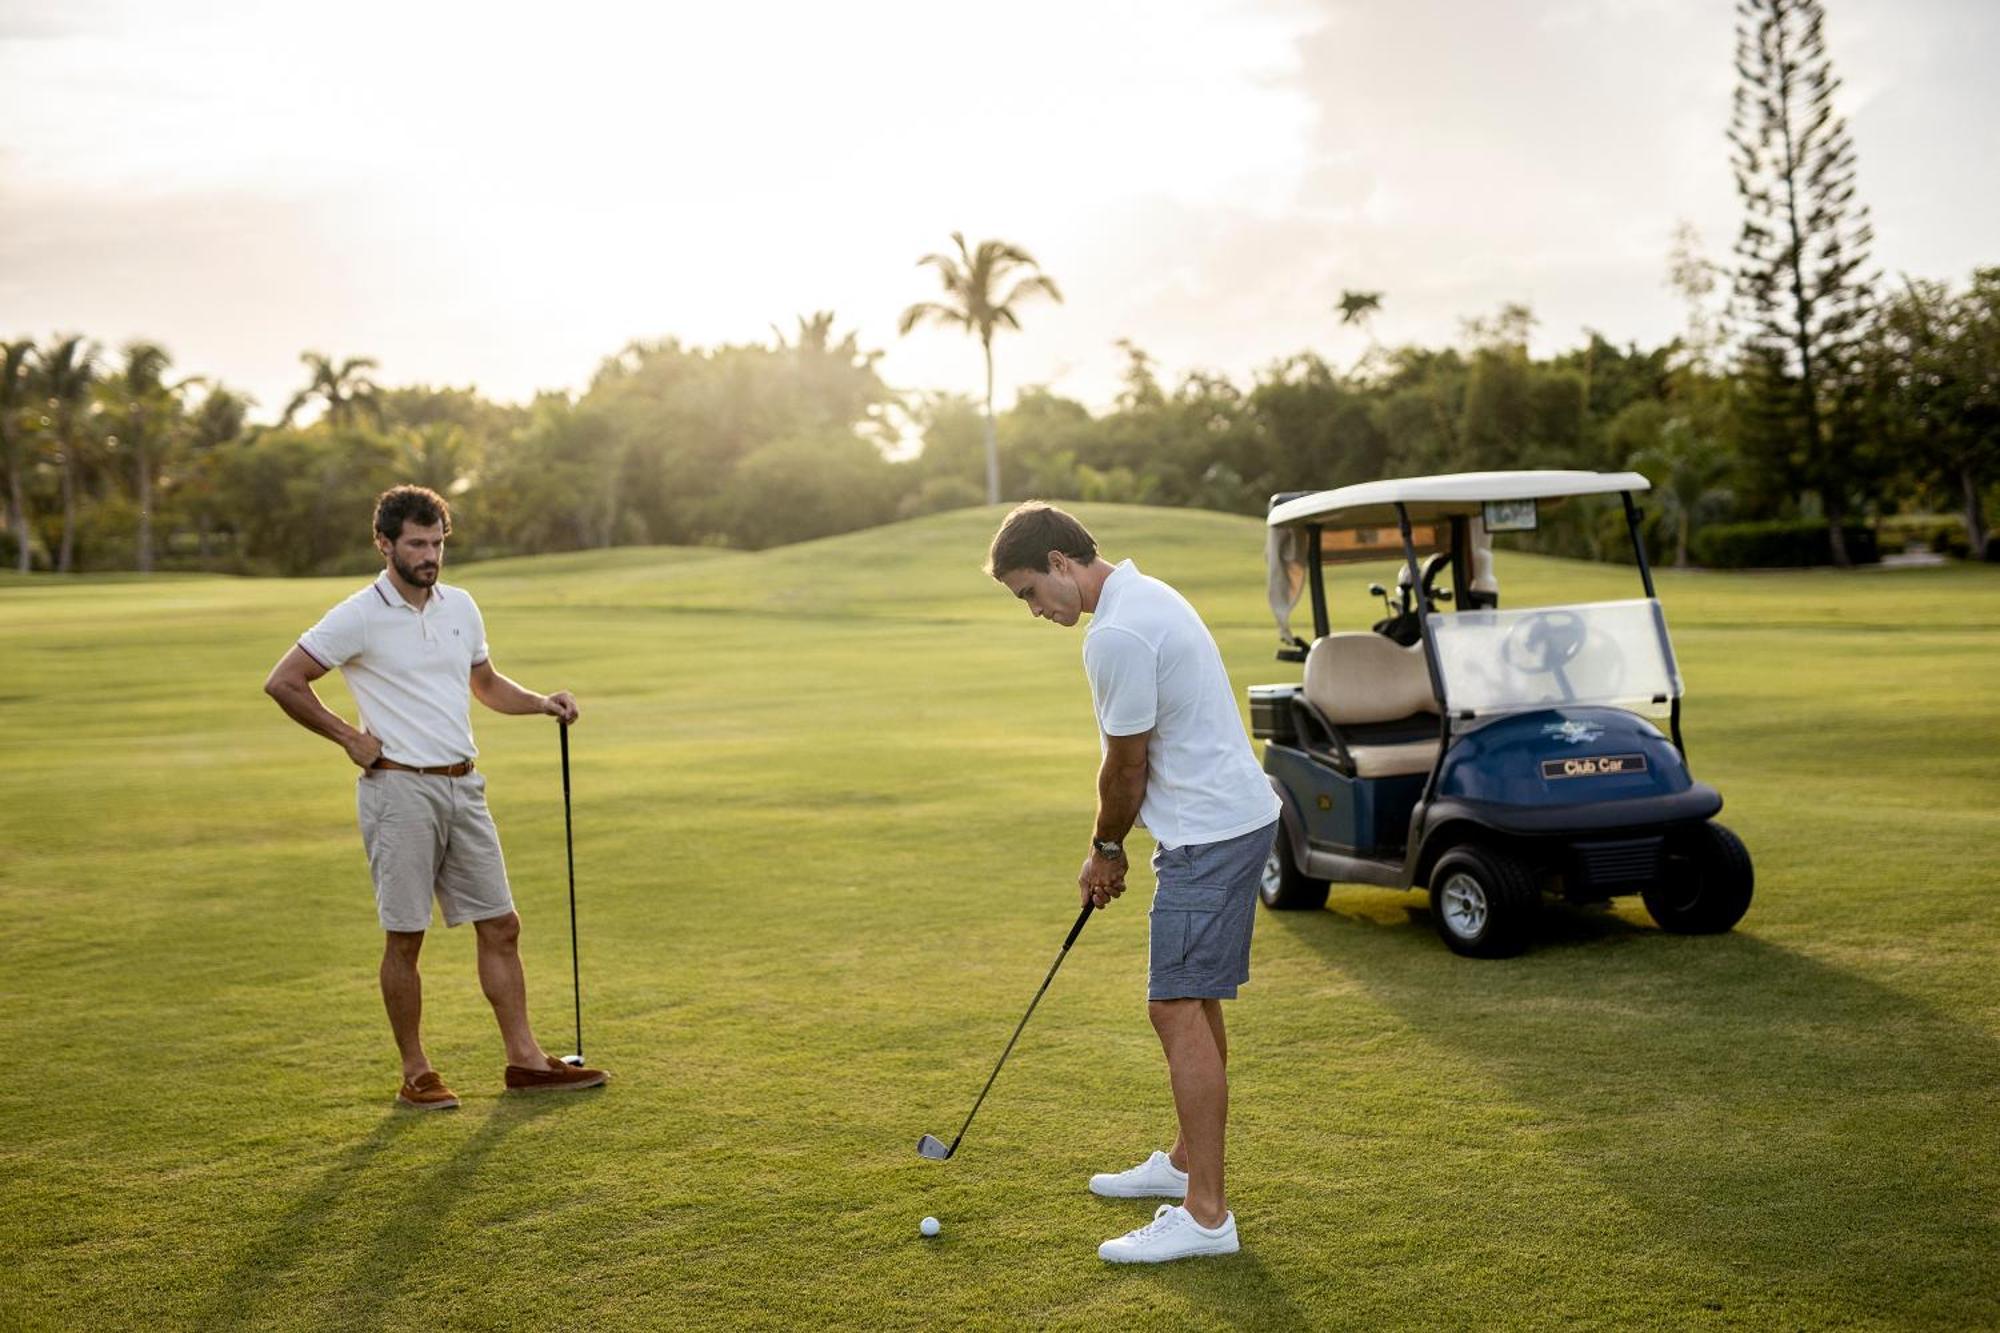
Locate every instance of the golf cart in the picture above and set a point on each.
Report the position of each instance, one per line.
(1492, 755)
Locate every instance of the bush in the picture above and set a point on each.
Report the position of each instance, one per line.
(1942, 533)
(1992, 556)
(938, 494)
(1895, 534)
(1950, 539)
(1778, 544)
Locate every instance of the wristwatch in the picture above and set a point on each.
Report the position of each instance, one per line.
(1109, 848)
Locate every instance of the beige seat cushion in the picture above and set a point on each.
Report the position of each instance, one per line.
(1358, 678)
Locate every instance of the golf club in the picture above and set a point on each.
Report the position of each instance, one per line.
(931, 1147)
(569, 850)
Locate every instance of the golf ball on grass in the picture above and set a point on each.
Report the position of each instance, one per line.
(929, 1226)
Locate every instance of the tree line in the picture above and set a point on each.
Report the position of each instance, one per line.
(114, 463)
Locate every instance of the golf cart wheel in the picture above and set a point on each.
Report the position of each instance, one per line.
(1286, 888)
(1705, 881)
(1483, 902)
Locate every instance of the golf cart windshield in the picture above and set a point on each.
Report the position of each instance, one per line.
(1611, 653)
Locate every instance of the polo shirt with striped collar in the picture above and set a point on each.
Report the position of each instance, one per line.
(409, 670)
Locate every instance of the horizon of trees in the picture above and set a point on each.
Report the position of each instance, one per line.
(114, 463)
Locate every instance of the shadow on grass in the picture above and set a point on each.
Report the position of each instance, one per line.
(1237, 1291)
(1787, 1121)
(410, 1222)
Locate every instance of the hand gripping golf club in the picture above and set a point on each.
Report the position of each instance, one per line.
(569, 850)
(931, 1147)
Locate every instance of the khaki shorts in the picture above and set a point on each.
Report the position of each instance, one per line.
(428, 835)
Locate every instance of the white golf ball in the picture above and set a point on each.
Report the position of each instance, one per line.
(929, 1226)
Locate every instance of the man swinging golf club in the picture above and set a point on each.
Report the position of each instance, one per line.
(411, 650)
(1175, 756)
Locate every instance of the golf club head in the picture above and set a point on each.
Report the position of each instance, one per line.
(933, 1149)
(576, 1060)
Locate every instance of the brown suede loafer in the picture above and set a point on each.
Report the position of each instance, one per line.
(427, 1093)
(557, 1077)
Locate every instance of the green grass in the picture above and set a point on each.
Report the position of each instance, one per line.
(829, 803)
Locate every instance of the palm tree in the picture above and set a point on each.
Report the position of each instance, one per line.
(1357, 308)
(438, 456)
(148, 405)
(68, 370)
(815, 332)
(345, 388)
(971, 280)
(1688, 469)
(16, 379)
(211, 426)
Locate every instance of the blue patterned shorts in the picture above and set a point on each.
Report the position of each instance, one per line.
(1203, 911)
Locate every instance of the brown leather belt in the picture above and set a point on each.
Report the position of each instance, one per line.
(443, 771)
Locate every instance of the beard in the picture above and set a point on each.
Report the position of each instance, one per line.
(420, 576)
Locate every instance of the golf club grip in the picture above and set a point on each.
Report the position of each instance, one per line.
(1077, 929)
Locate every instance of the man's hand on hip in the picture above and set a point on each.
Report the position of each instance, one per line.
(1101, 879)
(363, 749)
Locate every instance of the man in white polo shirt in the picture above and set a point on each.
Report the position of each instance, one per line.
(1176, 758)
(413, 652)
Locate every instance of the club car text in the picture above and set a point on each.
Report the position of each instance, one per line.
(1593, 766)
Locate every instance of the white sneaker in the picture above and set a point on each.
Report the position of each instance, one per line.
(1156, 1177)
(1172, 1234)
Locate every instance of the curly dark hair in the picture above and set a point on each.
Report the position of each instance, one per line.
(1033, 530)
(413, 504)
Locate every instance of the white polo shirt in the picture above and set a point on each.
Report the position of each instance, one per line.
(1153, 666)
(409, 671)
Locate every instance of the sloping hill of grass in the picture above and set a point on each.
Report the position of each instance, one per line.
(829, 805)
(591, 564)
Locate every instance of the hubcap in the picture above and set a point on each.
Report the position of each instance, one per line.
(1274, 874)
(1464, 903)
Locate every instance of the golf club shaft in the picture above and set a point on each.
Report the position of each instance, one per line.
(1074, 931)
(569, 851)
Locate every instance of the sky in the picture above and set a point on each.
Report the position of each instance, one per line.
(502, 195)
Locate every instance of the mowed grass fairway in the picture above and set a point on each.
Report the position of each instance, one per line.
(830, 802)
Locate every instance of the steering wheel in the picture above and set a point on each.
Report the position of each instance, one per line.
(1543, 642)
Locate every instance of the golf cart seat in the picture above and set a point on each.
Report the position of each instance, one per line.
(1374, 697)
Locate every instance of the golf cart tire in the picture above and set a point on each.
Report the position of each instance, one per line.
(1705, 881)
(1286, 888)
(1483, 901)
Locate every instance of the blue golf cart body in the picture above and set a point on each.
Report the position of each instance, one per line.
(1490, 757)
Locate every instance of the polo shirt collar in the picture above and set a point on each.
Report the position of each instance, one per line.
(391, 598)
(1114, 583)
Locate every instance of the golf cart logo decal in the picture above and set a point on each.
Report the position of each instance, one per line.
(1576, 733)
(1594, 766)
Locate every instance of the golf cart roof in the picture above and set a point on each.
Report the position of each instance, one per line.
(1453, 495)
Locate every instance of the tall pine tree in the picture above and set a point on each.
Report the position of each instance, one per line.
(1802, 297)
